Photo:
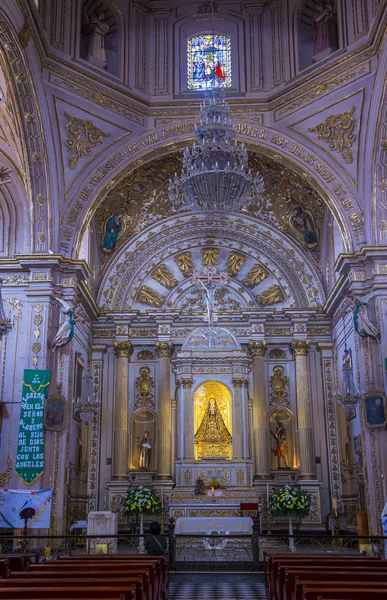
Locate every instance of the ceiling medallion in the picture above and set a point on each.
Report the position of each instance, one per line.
(215, 176)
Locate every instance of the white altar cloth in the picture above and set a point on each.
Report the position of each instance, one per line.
(222, 525)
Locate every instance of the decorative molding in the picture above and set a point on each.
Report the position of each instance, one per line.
(164, 349)
(123, 349)
(83, 136)
(147, 295)
(145, 355)
(185, 263)
(235, 262)
(144, 387)
(257, 347)
(164, 276)
(277, 353)
(299, 347)
(210, 257)
(256, 274)
(271, 296)
(337, 131)
(279, 385)
(186, 382)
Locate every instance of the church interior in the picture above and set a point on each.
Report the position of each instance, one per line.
(193, 260)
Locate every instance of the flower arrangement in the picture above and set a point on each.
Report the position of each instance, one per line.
(141, 501)
(290, 502)
(215, 484)
(200, 487)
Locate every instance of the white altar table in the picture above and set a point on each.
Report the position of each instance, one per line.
(206, 525)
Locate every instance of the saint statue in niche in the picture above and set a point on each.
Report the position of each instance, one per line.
(303, 222)
(326, 24)
(97, 30)
(145, 447)
(281, 450)
(212, 435)
(113, 229)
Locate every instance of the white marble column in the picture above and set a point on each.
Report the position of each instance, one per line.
(257, 350)
(237, 418)
(188, 430)
(299, 349)
(123, 352)
(164, 413)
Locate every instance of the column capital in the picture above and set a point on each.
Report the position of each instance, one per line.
(238, 382)
(123, 349)
(164, 349)
(299, 347)
(187, 382)
(257, 347)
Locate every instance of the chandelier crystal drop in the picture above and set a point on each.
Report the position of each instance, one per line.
(215, 176)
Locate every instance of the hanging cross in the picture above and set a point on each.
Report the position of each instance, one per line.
(210, 279)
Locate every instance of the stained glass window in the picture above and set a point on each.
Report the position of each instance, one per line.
(208, 62)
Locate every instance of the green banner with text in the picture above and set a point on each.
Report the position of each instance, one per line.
(30, 448)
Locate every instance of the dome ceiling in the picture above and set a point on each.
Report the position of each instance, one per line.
(290, 204)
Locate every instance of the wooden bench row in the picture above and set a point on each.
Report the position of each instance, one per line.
(303, 577)
(129, 577)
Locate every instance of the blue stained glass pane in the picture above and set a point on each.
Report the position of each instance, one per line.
(208, 62)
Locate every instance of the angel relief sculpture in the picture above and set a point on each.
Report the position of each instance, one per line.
(361, 321)
(65, 332)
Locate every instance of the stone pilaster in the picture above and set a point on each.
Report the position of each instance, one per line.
(299, 349)
(188, 429)
(237, 418)
(123, 352)
(164, 417)
(257, 349)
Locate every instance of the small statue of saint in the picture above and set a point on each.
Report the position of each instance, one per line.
(326, 24)
(281, 450)
(302, 221)
(145, 447)
(113, 229)
(97, 29)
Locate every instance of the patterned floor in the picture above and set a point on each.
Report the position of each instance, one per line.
(217, 591)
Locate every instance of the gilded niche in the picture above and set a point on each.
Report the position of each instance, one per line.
(256, 274)
(210, 256)
(337, 131)
(272, 295)
(279, 384)
(147, 295)
(185, 263)
(83, 136)
(235, 262)
(212, 437)
(164, 276)
(144, 387)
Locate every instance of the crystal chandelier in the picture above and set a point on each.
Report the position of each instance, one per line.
(215, 176)
(5, 324)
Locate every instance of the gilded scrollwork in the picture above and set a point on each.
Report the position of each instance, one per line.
(235, 262)
(83, 136)
(256, 274)
(164, 276)
(277, 353)
(144, 387)
(337, 131)
(279, 387)
(147, 295)
(7, 474)
(210, 256)
(145, 355)
(185, 263)
(272, 295)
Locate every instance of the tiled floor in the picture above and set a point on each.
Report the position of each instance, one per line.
(217, 590)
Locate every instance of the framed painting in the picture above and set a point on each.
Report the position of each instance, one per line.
(375, 409)
(55, 413)
(357, 445)
(78, 380)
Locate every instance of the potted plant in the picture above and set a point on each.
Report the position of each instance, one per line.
(141, 501)
(290, 502)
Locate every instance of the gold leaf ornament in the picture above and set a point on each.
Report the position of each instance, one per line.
(149, 296)
(272, 295)
(83, 136)
(235, 262)
(337, 131)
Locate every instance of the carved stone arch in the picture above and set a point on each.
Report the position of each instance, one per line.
(124, 276)
(19, 64)
(15, 218)
(114, 39)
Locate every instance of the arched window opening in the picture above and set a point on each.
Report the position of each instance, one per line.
(208, 62)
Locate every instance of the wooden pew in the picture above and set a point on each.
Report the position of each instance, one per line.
(276, 576)
(337, 593)
(4, 568)
(17, 562)
(128, 584)
(140, 577)
(331, 575)
(370, 586)
(87, 593)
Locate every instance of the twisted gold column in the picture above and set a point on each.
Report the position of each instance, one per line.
(123, 352)
(299, 349)
(257, 350)
(164, 414)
